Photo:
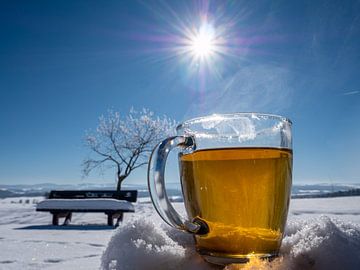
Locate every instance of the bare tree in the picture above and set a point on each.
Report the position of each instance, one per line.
(125, 143)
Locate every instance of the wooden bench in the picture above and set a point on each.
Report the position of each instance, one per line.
(62, 203)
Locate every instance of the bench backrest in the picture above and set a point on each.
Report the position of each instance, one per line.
(128, 195)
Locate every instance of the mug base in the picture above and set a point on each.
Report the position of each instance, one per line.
(225, 259)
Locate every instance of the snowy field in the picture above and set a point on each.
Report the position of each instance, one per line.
(321, 234)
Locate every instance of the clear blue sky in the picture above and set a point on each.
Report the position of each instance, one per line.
(65, 63)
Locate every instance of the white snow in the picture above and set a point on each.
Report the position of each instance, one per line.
(320, 234)
(85, 204)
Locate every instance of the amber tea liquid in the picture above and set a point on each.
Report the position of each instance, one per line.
(243, 196)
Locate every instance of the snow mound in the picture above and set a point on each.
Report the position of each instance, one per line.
(321, 243)
(141, 244)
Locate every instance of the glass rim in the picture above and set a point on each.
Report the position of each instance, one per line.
(229, 115)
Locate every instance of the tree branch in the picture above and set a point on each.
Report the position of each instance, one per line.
(112, 139)
(139, 165)
(91, 164)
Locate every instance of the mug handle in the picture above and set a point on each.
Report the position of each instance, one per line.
(156, 183)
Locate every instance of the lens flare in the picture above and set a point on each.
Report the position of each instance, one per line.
(200, 41)
(203, 43)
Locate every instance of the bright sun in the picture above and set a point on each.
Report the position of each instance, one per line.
(202, 44)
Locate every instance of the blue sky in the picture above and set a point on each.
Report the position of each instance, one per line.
(65, 63)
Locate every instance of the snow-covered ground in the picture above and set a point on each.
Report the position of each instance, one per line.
(321, 234)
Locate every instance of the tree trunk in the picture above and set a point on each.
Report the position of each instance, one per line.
(120, 179)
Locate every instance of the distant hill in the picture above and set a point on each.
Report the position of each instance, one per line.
(6, 194)
(10, 194)
(351, 192)
(174, 190)
(33, 190)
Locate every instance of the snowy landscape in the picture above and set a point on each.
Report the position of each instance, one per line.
(322, 233)
(95, 95)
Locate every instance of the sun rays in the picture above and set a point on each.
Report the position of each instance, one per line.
(202, 45)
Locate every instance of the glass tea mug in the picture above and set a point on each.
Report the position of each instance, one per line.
(236, 176)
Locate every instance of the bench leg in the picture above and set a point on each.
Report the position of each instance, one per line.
(68, 219)
(119, 219)
(110, 220)
(55, 219)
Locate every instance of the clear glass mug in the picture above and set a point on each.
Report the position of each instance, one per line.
(236, 175)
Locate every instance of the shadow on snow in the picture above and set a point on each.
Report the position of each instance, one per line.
(67, 227)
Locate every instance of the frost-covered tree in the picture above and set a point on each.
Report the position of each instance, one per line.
(125, 143)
